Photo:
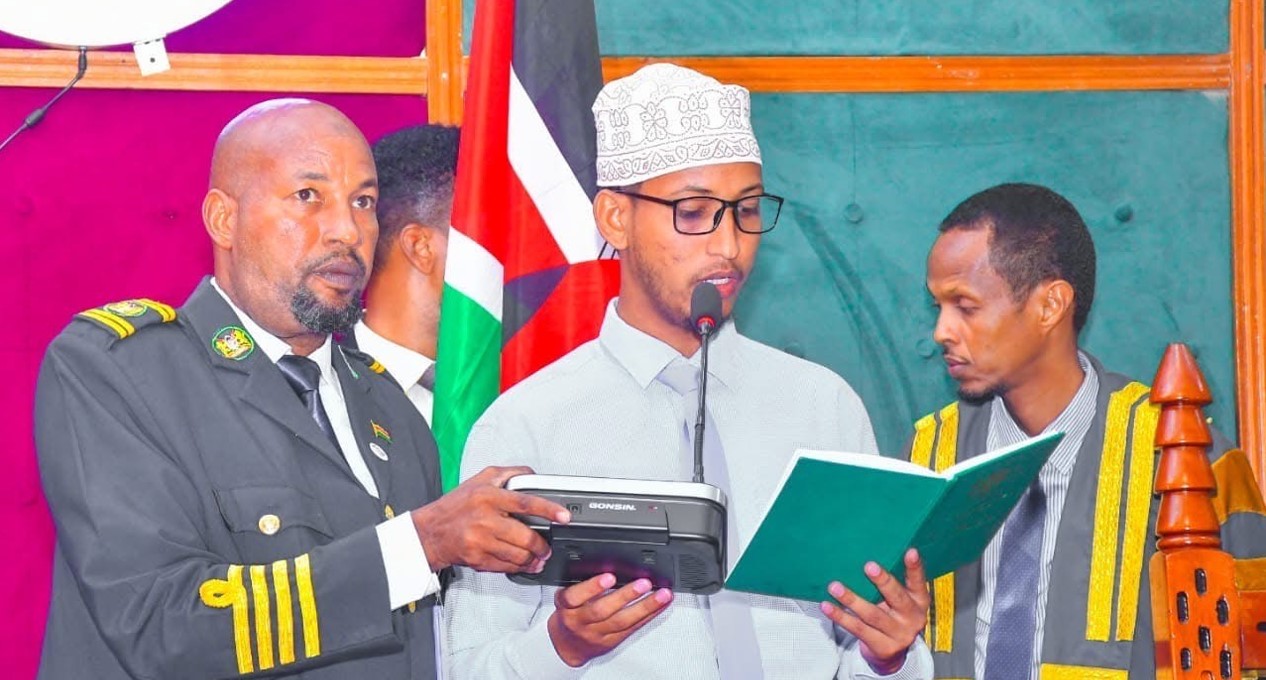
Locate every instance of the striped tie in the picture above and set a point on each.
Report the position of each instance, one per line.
(1013, 625)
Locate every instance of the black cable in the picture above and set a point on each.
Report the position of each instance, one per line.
(38, 114)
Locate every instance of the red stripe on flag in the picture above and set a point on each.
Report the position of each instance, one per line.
(480, 206)
(531, 246)
(570, 316)
(492, 207)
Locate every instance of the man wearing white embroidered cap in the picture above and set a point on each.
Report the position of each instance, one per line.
(683, 202)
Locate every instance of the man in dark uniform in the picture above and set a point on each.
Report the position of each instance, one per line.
(225, 479)
(1062, 591)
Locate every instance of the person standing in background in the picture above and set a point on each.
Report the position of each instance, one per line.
(416, 170)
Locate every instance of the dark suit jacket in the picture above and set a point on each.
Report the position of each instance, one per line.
(205, 526)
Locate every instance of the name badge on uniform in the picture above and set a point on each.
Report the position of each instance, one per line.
(377, 450)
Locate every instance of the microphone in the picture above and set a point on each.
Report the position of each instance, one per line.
(38, 114)
(705, 311)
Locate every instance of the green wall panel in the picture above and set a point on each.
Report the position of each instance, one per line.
(711, 27)
(868, 178)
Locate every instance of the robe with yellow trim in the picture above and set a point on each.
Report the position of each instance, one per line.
(1098, 605)
(206, 527)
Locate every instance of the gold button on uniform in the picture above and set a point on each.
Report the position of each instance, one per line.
(269, 524)
(391, 514)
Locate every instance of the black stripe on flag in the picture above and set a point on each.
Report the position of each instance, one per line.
(556, 59)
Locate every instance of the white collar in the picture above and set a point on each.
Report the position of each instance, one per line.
(644, 356)
(404, 364)
(274, 347)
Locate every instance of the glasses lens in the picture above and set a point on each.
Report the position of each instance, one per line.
(695, 215)
(758, 213)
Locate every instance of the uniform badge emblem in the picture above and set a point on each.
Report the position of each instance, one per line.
(233, 342)
(380, 432)
(128, 308)
(377, 450)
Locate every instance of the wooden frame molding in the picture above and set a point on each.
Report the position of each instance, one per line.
(433, 74)
(219, 72)
(1248, 226)
(952, 74)
(446, 72)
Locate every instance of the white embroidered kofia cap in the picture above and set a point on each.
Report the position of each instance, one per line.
(666, 118)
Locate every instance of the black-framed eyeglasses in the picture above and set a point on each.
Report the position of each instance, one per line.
(697, 215)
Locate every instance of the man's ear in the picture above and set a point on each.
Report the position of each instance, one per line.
(418, 244)
(612, 211)
(1056, 302)
(219, 216)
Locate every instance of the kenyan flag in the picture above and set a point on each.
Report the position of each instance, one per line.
(524, 282)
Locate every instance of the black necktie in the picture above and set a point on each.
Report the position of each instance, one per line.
(427, 381)
(304, 376)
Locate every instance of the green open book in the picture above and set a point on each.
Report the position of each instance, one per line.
(833, 512)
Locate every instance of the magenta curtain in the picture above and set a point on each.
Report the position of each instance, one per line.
(101, 202)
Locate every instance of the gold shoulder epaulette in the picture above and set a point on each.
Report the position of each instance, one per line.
(126, 317)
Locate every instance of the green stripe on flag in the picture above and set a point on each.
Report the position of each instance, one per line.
(467, 377)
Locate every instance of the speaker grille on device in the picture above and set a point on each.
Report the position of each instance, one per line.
(691, 571)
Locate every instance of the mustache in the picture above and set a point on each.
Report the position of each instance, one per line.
(348, 257)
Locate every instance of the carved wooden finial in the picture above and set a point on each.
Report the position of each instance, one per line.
(1183, 478)
(1178, 378)
(1194, 600)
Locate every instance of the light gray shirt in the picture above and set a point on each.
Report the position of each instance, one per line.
(600, 411)
(1054, 477)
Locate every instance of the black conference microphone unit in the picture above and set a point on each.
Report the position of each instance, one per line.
(671, 533)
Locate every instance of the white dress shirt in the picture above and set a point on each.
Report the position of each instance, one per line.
(404, 364)
(409, 575)
(1054, 477)
(600, 411)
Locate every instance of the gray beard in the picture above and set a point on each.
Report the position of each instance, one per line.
(318, 317)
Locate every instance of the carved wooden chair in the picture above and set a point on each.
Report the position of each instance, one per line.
(1207, 626)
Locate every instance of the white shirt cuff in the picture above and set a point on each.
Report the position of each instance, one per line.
(409, 575)
(917, 666)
